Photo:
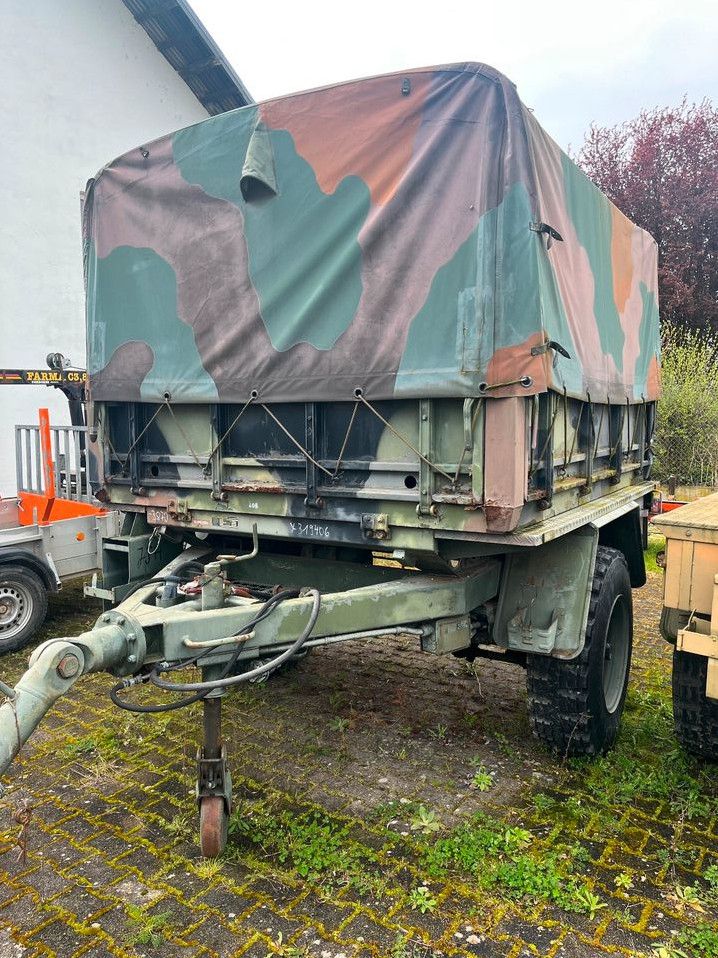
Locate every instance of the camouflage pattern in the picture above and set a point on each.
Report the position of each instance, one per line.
(379, 234)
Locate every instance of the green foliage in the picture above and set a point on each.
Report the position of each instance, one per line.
(281, 949)
(623, 881)
(394, 809)
(711, 876)
(439, 731)
(317, 847)
(647, 765)
(146, 929)
(668, 950)
(422, 900)
(686, 442)
(527, 877)
(207, 868)
(701, 939)
(656, 544)
(482, 780)
(587, 902)
(425, 821)
(470, 844)
(104, 743)
(339, 725)
(542, 803)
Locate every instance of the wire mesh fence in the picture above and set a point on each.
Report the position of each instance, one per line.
(686, 452)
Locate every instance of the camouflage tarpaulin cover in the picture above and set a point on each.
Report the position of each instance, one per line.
(379, 234)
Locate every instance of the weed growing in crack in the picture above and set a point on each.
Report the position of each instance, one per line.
(421, 899)
(482, 780)
(146, 929)
(425, 821)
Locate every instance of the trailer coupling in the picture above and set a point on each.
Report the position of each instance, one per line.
(114, 645)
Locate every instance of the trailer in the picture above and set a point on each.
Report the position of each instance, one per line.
(52, 531)
(689, 621)
(367, 360)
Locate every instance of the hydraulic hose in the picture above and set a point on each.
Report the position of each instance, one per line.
(266, 609)
(227, 682)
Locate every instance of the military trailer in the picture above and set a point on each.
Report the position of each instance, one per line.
(689, 621)
(368, 360)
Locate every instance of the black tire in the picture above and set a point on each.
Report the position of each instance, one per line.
(23, 606)
(575, 705)
(695, 716)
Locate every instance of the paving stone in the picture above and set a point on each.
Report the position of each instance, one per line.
(228, 902)
(60, 938)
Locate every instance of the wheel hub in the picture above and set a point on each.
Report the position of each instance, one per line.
(15, 608)
(615, 654)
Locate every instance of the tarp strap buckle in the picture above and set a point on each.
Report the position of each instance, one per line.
(551, 233)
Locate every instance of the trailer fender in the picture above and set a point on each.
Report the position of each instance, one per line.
(31, 561)
(545, 595)
(625, 534)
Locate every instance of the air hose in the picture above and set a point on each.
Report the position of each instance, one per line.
(228, 682)
(201, 690)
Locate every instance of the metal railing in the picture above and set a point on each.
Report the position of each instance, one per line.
(68, 445)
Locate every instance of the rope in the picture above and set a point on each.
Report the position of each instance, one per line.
(241, 412)
(403, 439)
(135, 443)
(598, 431)
(346, 439)
(575, 435)
(548, 436)
(298, 444)
(522, 381)
(184, 435)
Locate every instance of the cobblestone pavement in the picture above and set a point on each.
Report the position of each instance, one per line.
(358, 778)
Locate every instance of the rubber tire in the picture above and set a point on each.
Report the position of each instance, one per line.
(695, 716)
(212, 826)
(566, 702)
(35, 587)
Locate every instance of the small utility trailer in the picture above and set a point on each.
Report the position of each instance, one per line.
(52, 531)
(689, 620)
(367, 360)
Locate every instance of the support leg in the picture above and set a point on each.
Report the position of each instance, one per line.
(214, 786)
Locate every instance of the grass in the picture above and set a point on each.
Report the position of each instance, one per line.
(656, 545)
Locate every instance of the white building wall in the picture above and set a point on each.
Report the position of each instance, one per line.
(81, 83)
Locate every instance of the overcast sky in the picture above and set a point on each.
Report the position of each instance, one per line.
(573, 62)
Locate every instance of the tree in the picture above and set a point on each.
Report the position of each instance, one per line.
(661, 170)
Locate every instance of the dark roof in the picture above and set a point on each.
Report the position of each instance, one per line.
(183, 41)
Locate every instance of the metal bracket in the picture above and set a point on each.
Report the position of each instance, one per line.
(426, 476)
(178, 509)
(448, 635)
(550, 344)
(215, 462)
(213, 778)
(526, 636)
(375, 526)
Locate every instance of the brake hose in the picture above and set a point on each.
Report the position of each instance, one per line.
(266, 609)
(227, 682)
